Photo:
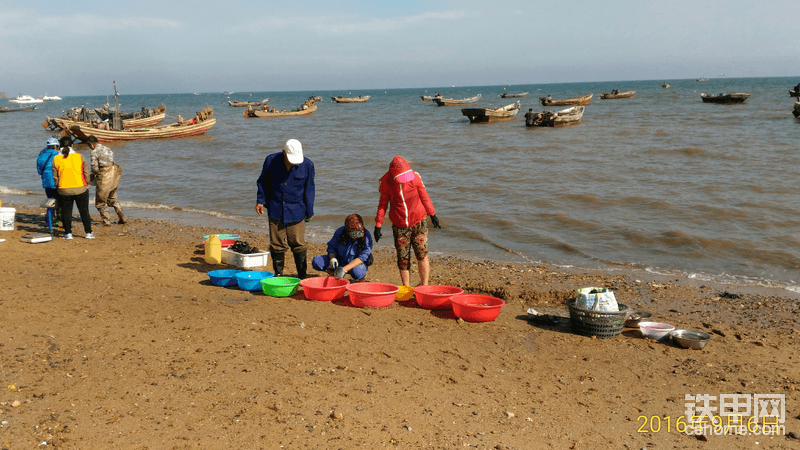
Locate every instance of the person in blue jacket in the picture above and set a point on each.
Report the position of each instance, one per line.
(44, 165)
(349, 250)
(286, 192)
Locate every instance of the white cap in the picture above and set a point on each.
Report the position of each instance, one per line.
(294, 151)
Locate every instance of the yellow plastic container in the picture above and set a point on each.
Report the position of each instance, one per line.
(404, 293)
(213, 248)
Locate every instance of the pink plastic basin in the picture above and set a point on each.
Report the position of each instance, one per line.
(476, 308)
(372, 294)
(436, 296)
(324, 289)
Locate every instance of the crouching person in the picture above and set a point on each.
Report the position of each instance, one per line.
(350, 249)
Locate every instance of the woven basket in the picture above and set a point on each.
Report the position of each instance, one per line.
(603, 324)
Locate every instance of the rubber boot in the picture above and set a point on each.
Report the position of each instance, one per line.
(277, 263)
(104, 215)
(120, 214)
(300, 263)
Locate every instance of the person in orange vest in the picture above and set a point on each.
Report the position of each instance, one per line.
(71, 173)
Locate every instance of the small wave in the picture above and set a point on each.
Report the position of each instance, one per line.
(12, 191)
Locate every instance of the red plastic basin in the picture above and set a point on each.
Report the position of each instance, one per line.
(436, 296)
(476, 308)
(324, 289)
(372, 294)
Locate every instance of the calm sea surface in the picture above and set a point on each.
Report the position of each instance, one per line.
(659, 182)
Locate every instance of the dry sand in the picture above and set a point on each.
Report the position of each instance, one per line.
(122, 342)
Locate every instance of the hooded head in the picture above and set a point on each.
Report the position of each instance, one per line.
(400, 170)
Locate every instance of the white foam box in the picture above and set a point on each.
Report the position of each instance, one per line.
(241, 260)
(35, 238)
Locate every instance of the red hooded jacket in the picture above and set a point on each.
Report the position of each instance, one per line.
(408, 202)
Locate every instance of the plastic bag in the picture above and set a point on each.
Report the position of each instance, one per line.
(598, 299)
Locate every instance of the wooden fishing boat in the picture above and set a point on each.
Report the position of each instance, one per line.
(569, 116)
(702, 79)
(429, 98)
(508, 95)
(617, 94)
(582, 100)
(488, 115)
(97, 117)
(6, 109)
(202, 122)
(264, 111)
(245, 104)
(733, 97)
(359, 99)
(456, 102)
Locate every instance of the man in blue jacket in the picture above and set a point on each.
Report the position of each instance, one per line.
(286, 189)
(44, 165)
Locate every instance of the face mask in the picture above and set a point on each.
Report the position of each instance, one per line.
(356, 234)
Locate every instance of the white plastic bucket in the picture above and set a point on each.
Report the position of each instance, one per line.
(7, 217)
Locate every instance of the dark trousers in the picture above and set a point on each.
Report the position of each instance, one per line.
(82, 200)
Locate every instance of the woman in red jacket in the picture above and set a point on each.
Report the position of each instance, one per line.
(404, 194)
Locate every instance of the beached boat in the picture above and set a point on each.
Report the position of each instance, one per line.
(305, 109)
(245, 104)
(25, 100)
(569, 116)
(508, 95)
(50, 98)
(733, 97)
(95, 117)
(456, 102)
(359, 99)
(617, 94)
(665, 85)
(5, 109)
(582, 100)
(429, 98)
(202, 122)
(488, 115)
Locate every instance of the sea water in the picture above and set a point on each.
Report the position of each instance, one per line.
(659, 182)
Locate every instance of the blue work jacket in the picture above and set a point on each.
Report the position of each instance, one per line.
(287, 194)
(348, 252)
(44, 165)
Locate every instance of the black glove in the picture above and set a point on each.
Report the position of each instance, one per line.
(435, 221)
(377, 234)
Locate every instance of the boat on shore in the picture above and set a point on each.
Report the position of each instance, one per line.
(582, 100)
(488, 115)
(26, 108)
(308, 107)
(245, 104)
(202, 122)
(457, 102)
(617, 94)
(508, 95)
(25, 100)
(733, 97)
(565, 117)
(359, 99)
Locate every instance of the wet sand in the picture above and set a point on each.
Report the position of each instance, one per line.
(122, 342)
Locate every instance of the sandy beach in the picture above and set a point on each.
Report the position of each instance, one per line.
(122, 342)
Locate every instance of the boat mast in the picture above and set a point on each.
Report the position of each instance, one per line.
(116, 121)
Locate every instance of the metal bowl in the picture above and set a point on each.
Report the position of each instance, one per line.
(635, 317)
(691, 338)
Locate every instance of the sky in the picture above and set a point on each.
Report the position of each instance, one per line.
(156, 47)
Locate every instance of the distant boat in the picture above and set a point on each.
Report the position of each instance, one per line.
(429, 98)
(665, 86)
(25, 100)
(617, 94)
(50, 98)
(702, 79)
(456, 102)
(569, 116)
(264, 112)
(243, 104)
(521, 94)
(488, 115)
(582, 100)
(5, 109)
(359, 99)
(733, 97)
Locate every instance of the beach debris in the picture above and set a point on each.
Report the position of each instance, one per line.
(510, 415)
(337, 416)
(15, 403)
(727, 294)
